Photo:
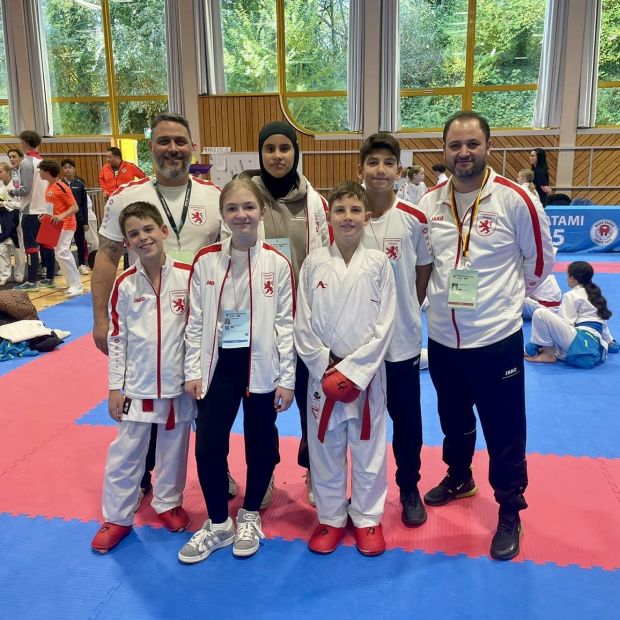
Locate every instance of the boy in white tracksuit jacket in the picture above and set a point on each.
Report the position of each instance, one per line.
(344, 324)
(148, 311)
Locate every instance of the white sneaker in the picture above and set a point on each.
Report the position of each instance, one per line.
(248, 534)
(3, 281)
(84, 270)
(62, 334)
(204, 542)
(74, 292)
(268, 493)
(309, 492)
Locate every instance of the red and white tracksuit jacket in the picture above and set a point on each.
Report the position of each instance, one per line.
(272, 304)
(145, 339)
(511, 249)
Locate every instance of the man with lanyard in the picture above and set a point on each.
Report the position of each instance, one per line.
(117, 172)
(189, 206)
(491, 247)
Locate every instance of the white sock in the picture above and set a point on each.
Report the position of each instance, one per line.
(219, 527)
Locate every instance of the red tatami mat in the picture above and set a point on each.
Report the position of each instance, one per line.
(574, 514)
(599, 267)
(47, 394)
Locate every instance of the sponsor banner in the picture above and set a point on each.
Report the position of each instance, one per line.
(584, 228)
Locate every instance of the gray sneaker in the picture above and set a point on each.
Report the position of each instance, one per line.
(45, 283)
(268, 493)
(204, 541)
(248, 534)
(28, 286)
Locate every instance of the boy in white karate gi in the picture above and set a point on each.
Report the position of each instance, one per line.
(345, 317)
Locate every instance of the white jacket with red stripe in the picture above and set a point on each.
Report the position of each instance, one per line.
(145, 339)
(510, 248)
(272, 306)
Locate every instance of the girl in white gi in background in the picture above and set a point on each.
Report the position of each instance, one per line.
(148, 310)
(239, 340)
(579, 334)
(415, 187)
(346, 303)
(547, 295)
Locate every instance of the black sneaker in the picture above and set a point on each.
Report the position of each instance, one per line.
(414, 513)
(449, 489)
(505, 543)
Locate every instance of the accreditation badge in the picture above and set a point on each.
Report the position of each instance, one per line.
(236, 329)
(183, 256)
(463, 289)
(283, 245)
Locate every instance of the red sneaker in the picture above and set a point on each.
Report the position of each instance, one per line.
(108, 536)
(175, 519)
(369, 540)
(325, 538)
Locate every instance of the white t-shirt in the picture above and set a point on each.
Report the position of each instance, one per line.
(202, 224)
(402, 233)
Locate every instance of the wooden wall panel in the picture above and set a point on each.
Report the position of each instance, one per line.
(236, 120)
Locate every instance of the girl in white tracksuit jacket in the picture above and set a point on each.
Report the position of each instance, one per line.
(239, 348)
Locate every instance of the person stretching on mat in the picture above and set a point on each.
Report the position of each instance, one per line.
(578, 334)
(239, 349)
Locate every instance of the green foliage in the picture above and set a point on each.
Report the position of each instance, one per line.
(77, 62)
(609, 44)
(249, 42)
(508, 40)
(321, 114)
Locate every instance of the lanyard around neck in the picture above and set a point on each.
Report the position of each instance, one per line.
(166, 208)
(474, 208)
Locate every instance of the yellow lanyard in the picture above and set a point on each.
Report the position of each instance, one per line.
(474, 208)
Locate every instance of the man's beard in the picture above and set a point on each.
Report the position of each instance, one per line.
(172, 173)
(476, 169)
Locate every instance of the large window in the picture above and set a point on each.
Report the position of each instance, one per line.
(295, 47)
(5, 124)
(608, 101)
(469, 54)
(106, 65)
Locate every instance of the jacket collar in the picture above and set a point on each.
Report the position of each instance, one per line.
(444, 194)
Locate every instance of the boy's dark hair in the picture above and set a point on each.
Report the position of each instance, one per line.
(51, 166)
(14, 150)
(115, 151)
(439, 168)
(380, 140)
(67, 160)
(141, 210)
(171, 118)
(31, 138)
(468, 115)
(348, 189)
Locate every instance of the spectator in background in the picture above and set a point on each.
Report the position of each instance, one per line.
(31, 192)
(78, 188)
(440, 171)
(15, 157)
(415, 187)
(64, 209)
(538, 161)
(117, 172)
(10, 180)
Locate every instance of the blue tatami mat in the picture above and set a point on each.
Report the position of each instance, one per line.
(142, 579)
